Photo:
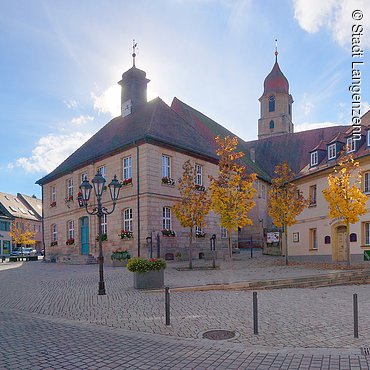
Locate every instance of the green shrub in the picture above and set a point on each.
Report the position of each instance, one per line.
(140, 264)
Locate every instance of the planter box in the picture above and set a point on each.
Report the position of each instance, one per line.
(149, 280)
(117, 263)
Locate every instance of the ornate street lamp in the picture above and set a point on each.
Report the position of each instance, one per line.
(98, 183)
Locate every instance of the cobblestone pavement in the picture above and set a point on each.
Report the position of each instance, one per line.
(300, 328)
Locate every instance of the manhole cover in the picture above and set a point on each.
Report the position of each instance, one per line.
(365, 351)
(219, 334)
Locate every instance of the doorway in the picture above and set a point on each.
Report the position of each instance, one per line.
(341, 244)
(84, 232)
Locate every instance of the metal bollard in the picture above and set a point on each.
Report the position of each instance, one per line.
(167, 304)
(355, 316)
(255, 314)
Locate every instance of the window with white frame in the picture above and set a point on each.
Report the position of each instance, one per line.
(127, 168)
(166, 166)
(198, 174)
(261, 187)
(71, 229)
(367, 182)
(70, 187)
(366, 236)
(166, 218)
(313, 238)
(314, 159)
(102, 171)
(127, 219)
(83, 176)
(368, 138)
(313, 195)
(332, 151)
(198, 230)
(53, 194)
(104, 224)
(350, 145)
(223, 232)
(54, 233)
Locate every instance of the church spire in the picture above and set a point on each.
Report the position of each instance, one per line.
(276, 50)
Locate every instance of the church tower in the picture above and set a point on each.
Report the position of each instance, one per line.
(276, 105)
(134, 88)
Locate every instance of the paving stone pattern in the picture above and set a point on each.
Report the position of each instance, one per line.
(53, 313)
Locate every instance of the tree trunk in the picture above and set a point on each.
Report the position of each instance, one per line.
(348, 244)
(191, 249)
(229, 245)
(286, 243)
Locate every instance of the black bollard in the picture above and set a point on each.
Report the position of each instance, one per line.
(167, 304)
(355, 316)
(255, 314)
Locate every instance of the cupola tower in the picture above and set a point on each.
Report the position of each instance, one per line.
(276, 104)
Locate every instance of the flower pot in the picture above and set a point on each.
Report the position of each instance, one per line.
(149, 280)
(118, 263)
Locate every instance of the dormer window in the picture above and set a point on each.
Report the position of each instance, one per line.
(350, 145)
(368, 138)
(332, 151)
(314, 159)
(272, 103)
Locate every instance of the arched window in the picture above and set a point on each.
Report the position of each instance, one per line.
(272, 124)
(127, 219)
(272, 103)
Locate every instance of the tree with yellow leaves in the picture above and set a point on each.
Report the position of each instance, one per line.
(193, 206)
(286, 201)
(344, 195)
(22, 235)
(232, 191)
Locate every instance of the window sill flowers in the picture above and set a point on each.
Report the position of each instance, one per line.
(53, 204)
(200, 234)
(200, 187)
(55, 242)
(70, 241)
(168, 233)
(127, 181)
(125, 234)
(168, 181)
(69, 199)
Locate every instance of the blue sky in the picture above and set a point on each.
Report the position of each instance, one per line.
(61, 60)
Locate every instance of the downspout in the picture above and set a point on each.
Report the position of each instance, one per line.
(138, 200)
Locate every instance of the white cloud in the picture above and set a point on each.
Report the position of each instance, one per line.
(81, 120)
(50, 151)
(311, 126)
(108, 101)
(71, 104)
(334, 15)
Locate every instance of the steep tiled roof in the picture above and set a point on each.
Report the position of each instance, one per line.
(320, 146)
(154, 122)
(33, 203)
(15, 208)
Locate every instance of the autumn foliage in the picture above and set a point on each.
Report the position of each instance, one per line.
(193, 206)
(344, 195)
(286, 201)
(22, 237)
(232, 191)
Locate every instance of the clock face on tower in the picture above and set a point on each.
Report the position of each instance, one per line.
(126, 108)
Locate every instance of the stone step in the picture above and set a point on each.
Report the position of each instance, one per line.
(79, 259)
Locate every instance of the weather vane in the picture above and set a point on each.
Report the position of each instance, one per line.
(134, 46)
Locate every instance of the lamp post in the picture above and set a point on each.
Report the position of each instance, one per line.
(98, 183)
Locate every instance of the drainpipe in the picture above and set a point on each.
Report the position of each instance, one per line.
(138, 200)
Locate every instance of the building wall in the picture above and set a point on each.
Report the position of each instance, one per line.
(154, 195)
(316, 217)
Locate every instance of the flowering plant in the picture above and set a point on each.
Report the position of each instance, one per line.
(140, 264)
(127, 181)
(167, 232)
(68, 199)
(120, 255)
(55, 242)
(168, 180)
(53, 204)
(126, 234)
(200, 187)
(104, 237)
(70, 241)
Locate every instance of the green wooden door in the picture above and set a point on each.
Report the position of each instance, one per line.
(84, 232)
